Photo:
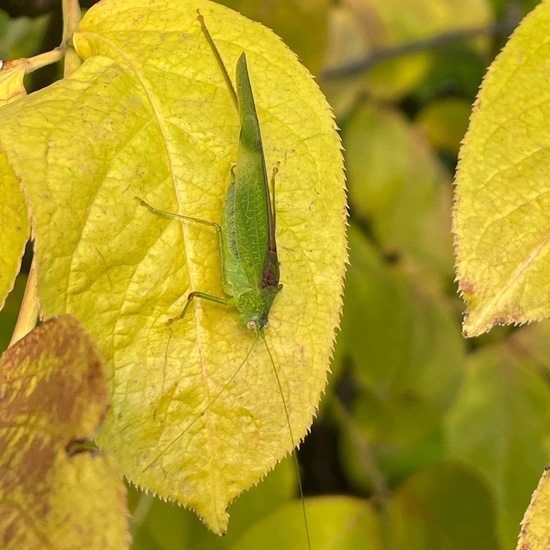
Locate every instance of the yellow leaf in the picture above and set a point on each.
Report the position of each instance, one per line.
(535, 529)
(14, 224)
(11, 81)
(148, 114)
(502, 200)
(54, 394)
(14, 227)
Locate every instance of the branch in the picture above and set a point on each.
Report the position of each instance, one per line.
(503, 27)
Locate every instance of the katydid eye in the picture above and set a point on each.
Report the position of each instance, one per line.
(251, 325)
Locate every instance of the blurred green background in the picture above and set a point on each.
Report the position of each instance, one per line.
(424, 440)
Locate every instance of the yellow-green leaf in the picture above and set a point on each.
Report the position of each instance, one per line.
(170, 527)
(360, 31)
(398, 185)
(54, 395)
(345, 523)
(14, 223)
(148, 114)
(535, 529)
(502, 188)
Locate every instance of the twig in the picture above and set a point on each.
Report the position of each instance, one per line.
(501, 28)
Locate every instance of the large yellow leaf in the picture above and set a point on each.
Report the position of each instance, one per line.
(53, 395)
(148, 114)
(502, 203)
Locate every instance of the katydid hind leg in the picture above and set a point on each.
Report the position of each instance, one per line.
(271, 271)
(203, 296)
(195, 294)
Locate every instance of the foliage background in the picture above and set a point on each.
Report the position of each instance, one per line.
(441, 438)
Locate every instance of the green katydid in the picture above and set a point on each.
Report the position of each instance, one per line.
(246, 237)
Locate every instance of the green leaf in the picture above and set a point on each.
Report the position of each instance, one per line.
(148, 114)
(10, 312)
(363, 30)
(500, 424)
(444, 122)
(502, 200)
(446, 506)
(405, 350)
(534, 342)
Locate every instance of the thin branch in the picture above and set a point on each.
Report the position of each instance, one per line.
(501, 28)
(71, 18)
(43, 59)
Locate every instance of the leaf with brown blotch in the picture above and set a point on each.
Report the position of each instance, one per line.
(53, 492)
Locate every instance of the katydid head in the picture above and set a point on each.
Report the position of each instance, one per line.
(257, 323)
(254, 306)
